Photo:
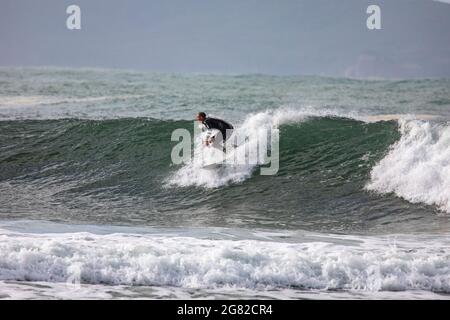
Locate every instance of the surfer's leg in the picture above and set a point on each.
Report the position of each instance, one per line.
(227, 135)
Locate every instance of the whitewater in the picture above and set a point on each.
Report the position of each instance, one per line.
(267, 261)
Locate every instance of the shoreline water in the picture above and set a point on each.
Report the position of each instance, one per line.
(199, 262)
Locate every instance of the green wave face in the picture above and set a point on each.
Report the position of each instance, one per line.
(61, 169)
(347, 147)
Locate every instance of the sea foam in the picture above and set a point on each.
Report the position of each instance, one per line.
(345, 263)
(417, 167)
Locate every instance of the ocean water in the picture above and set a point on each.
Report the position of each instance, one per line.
(91, 205)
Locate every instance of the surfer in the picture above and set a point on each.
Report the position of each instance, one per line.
(213, 123)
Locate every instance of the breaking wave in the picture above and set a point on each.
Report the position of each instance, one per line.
(351, 263)
(417, 167)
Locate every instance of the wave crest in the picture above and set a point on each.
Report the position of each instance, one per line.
(417, 167)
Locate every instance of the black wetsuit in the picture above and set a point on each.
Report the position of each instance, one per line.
(222, 126)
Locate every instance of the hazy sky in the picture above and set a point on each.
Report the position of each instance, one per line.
(324, 37)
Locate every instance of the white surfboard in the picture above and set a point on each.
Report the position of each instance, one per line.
(213, 152)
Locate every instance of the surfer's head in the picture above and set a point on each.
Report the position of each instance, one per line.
(201, 116)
